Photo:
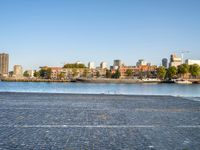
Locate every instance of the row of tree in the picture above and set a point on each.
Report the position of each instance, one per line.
(74, 65)
(180, 71)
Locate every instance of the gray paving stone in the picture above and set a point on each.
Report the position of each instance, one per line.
(73, 122)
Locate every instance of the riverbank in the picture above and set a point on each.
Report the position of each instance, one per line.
(98, 80)
(115, 81)
(32, 80)
(85, 121)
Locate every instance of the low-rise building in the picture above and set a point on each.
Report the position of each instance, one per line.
(192, 62)
(30, 73)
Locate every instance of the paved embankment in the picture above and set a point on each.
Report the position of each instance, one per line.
(67, 121)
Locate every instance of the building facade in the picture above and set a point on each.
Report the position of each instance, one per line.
(103, 65)
(165, 62)
(91, 65)
(4, 64)
(141, 62)
(192, 62)
(18, 71)
(175, 61)
(30, 73)
(117, 63)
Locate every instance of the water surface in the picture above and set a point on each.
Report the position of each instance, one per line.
(92, 88)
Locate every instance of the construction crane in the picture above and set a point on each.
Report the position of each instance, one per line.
(182, 54)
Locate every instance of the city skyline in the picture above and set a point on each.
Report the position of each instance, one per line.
(38, 33)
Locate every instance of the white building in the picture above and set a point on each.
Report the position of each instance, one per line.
(91, 65)
(17, 71)
(103, 65)
(175, 60)
(31, 73)
(78, 62)
(192, 62)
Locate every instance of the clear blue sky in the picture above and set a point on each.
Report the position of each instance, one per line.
(50, 32)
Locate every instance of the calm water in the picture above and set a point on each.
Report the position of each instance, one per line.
(133, 89)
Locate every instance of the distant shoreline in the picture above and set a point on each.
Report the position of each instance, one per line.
(98, 80)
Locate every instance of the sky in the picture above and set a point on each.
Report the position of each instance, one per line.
(53, 32)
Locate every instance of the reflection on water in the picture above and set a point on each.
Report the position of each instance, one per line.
(133, 89)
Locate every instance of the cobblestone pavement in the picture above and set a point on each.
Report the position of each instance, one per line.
(84, 122)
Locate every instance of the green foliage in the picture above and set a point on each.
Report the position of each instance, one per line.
(26, 74)
(129, 72)
(36, 74)
(194, 70)
(171, 72)
(108, 74)
(161, 72)
(183, 69)
(75, 65)
(98, 74)
(45, 73)
(85, 72)
(74, 72)
(61, 75)
(116, 75)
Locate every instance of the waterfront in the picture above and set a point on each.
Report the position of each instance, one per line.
(93, 88)
(75, 121)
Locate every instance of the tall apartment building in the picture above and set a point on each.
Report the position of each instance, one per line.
(117, 64)
(164, 62)
(141, 62)
(4, 64)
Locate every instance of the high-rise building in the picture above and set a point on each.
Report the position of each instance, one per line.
(175, 60)
(4, 64)
(91, 65)
(17, 71)
(117, 63)
(164, 62)
(141, 62)
(103, 65)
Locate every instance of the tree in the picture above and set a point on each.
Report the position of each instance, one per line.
(117, 74)
(48, 75)
(75, 65)
(161, 72)
(183, 69)
(26, 74)
(74, 72)
(108, 74)
(45, 73)
(61, 75)
(194, 70)
(171, 72)
(98, 74)
(129, 72)
(85, 72)
(36, 74)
